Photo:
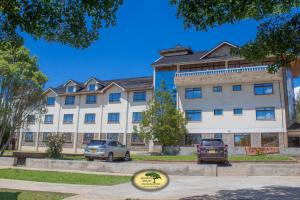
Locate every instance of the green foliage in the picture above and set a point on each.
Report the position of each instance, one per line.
(76, 23)
(55, 146)
(278, 35)
(162, 122)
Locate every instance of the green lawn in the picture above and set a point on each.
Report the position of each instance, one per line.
(62, 177)
(260, 158)
(7, 194)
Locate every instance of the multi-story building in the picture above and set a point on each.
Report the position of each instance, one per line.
(222, 96)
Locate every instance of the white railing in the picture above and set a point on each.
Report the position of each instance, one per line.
(222, 71)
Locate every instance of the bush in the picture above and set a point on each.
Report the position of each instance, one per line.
(55, 145)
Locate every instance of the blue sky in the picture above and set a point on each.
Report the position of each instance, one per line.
(128, 49)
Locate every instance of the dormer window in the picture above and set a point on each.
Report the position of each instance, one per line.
(92, 87)
(71, 89)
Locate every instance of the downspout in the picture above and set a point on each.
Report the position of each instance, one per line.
(101, 119)
(126, 126)
(77, 125)
(59, 110)
(38, 134)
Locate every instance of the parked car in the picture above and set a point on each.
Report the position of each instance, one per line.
(106, 149)
(212, 150)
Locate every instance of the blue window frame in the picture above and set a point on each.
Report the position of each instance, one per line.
(193, 115)
(137, 117)
(217, 88)
(218, 136)
(267, 113)
(139, 96)
(114, 97)
(193, 93)
(237, 111)
(91, 99)
(92, 87)
(70, 100)
(263, 89)
(113, 118)
(50, 101)
(87, 137)
(68, 118)
(89, 118)
(112, 136)
(71, 89)
(48, 119)
(236, 88)
(28, 137)
(218, 112)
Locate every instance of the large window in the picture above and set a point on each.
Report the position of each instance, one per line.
(113, 118)
(67, 137)
(30, 119)
(236, 88)
(69, 100)
(193, 93)
(137, 117)
(92, 87)
(89, 118)
(263, 89)
(71, 89)
(45, 136)
(242, 140)
(217, 88)
(50, 101)
(191, 139)
(136, 139)
(294, 141)
(68, 118)
(48, 119)
(87, 137)
(218, 136)
(91, 99)
(267, 113)
(218, 112)
(112, 136)
(193, 115)
(28, 137)
(139, 96)
(269, 140)
(114, 97)
(237, 111)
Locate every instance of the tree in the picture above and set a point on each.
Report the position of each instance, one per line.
(21, 88)
(153, 175)
(76, 23)
(55, 146)
(162, 122)
(278, 34)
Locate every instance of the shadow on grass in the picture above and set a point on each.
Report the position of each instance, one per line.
(9, 195)
(266, 193)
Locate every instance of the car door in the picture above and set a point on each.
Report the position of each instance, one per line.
(114, 148)
(122, 150)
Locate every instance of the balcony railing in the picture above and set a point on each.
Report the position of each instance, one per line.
(222, 71)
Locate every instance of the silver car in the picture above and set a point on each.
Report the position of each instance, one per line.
(106, 149)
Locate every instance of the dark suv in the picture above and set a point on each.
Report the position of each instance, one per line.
(212, 150)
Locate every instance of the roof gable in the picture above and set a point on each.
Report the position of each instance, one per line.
(110, 85)
(221, 50)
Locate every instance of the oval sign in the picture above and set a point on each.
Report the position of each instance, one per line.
(150, 180)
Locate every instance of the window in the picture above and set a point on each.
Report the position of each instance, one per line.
(68, 118)
(71, 89)
(92, 87)
(70, 100)
(136, 139)
(218, 136)
(294, 141)
(50, 101)
(217, 89)
(242, 140)
(31, 119)
(48, 119)
(113, 117)
(265, 113)
(236, 88)
(112, 136)
(191, 139)
(45, 136)
(29, 137)
(139, 96)
(114, 97)
(137, 117)
(193, 93)
(193, 115)
(263, 89)
(269, 140)
(67, 137)
(218, 112)
(87, 137)
(91, 99)
(237, 111)
(89, 118)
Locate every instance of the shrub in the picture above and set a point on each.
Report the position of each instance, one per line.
(55, 145)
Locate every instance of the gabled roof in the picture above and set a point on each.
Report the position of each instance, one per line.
(90, 79)
(75, 82)
(110, 85)
(217, 47)
(50, 89)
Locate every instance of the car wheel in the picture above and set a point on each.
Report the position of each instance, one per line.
(127, 156)
(90, 159)
(110, 157)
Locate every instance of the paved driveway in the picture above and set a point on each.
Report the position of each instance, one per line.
(180, 187)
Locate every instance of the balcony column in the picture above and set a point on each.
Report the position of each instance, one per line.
(177, 68)
(226, 64)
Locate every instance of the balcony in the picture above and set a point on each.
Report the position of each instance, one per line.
(228, 75)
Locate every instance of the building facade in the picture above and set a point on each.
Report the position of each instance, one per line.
(222, 96)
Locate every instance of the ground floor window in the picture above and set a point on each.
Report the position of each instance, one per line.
(269, 140)
(45, 136)
(136, 139)
(294, 141)
(29, 137)
(218, 136)
(191, 139)
(112, 136)
(242, 140)
(67, 137)
(87, 137)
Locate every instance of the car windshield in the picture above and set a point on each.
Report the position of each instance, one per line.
(96, 142)
(212, 142)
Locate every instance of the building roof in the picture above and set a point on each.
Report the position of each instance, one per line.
(294, 127)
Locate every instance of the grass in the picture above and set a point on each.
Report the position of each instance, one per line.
(73, 157)
(8, 194)
(260, 158)
(62, 177)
